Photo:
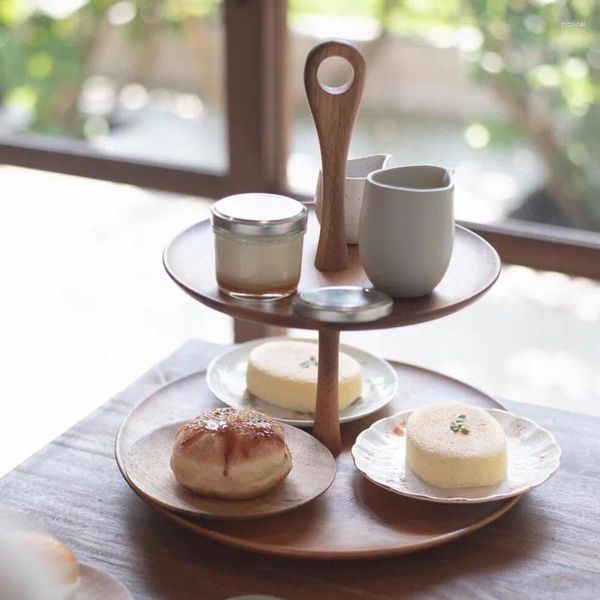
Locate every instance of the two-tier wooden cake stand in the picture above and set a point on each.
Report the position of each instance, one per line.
(354, 518)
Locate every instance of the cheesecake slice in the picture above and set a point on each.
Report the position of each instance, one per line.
(456, 446)
(284, 373)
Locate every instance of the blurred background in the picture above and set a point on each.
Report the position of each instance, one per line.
(505, 91)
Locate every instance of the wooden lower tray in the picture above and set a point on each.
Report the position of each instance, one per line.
(354, 519)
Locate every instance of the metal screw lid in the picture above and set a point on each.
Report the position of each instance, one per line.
(343, 304)
(259, 214)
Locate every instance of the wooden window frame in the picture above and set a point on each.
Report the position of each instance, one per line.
(255, 41)
(257, 124)
(538, 246)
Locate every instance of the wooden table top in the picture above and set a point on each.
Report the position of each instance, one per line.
(546, 546)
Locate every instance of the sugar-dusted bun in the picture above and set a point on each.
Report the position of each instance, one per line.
(231, 454)
(284, 373)
(61, 562)
(456, 446)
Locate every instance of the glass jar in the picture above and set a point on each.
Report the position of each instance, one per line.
(258, 245)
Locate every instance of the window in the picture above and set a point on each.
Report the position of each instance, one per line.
(506, 93)
(203, 96)
(136, 79)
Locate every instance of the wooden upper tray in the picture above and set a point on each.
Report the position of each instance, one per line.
(354, 518)
(474, 267)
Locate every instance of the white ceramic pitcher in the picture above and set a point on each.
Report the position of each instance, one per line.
(407, 229)
(357, 170)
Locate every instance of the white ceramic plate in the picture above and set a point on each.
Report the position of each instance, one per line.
(98, 585)
(533, 457)
(226, 379)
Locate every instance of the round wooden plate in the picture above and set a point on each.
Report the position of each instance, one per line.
(354, 518)
(474, 267)
(147, 468)
(98, 585)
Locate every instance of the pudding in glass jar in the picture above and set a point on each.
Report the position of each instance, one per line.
(258, 245)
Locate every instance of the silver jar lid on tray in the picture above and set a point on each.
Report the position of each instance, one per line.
(259, 214)
(343, 304)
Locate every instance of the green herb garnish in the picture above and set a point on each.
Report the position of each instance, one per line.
(309, 362)
(459, 425)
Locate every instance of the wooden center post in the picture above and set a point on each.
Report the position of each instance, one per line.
(333, 111)
(327, 423)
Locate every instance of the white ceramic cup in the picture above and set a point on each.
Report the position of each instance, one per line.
(407, 229)
(357, 170)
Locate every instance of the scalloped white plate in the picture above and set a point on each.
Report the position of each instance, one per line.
(533, 457)
(226, 379)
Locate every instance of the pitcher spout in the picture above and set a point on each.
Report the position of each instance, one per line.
(357, 171)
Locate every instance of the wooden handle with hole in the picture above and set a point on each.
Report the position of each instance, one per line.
(334, 111)
(327, 423)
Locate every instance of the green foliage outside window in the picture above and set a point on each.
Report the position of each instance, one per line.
(540, 57)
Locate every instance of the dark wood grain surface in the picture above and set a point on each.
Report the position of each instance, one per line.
(545, 547)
